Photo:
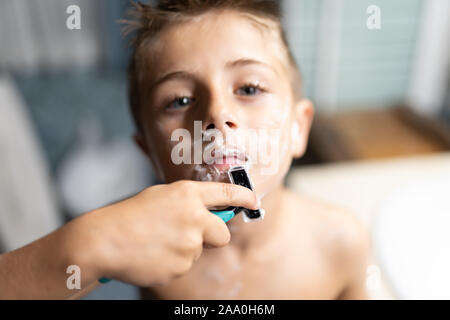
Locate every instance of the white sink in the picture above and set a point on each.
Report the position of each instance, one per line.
(412, 239)
(405, 203)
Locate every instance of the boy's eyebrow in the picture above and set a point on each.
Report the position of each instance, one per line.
(246, 61)
(229, 64)
(169, 76)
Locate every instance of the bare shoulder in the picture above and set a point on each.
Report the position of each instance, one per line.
(342, 238)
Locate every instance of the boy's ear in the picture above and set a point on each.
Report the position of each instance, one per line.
(303, 116)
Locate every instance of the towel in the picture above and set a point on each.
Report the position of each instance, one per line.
(28, 207)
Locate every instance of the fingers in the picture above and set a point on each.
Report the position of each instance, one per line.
(215, 231)
(226, 194)
(213, 194)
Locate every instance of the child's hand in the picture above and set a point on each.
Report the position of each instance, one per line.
(156, 235)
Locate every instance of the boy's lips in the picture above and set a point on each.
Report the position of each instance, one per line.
(223, 159)
(228, 162)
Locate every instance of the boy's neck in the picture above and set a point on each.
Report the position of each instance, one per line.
(249, 235)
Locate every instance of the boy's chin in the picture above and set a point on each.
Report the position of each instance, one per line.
(212, 173)
(266, 180)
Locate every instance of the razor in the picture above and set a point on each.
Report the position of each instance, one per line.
(238, 175)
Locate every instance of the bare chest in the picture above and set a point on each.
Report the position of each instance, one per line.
(289, 271)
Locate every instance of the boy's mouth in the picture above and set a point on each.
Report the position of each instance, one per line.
(225, 158)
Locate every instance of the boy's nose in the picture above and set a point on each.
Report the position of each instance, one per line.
(221, 113)
(221, 119)
(221, 126)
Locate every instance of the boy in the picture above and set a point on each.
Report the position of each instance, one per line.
(218, 70)
(227, 64)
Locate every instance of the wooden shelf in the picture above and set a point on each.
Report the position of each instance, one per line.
(375, 134)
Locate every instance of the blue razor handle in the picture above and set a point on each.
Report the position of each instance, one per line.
(226, 215)
(104, 280)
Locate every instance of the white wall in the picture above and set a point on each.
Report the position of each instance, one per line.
(431, 68)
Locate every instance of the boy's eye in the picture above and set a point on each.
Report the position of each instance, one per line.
(250, 90)
(179, 102)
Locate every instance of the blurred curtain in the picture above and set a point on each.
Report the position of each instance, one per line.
(344, 63)
(34, 36)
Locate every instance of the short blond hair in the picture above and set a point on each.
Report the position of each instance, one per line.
(146, 21)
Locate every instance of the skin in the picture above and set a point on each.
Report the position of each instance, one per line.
(122, 241)
(302, 249)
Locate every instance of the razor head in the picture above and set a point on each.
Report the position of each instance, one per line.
(238, 175)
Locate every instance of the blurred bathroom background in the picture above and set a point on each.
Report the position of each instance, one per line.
(379, 144)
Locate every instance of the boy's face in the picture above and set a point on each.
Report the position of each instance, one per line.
(223, 70)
